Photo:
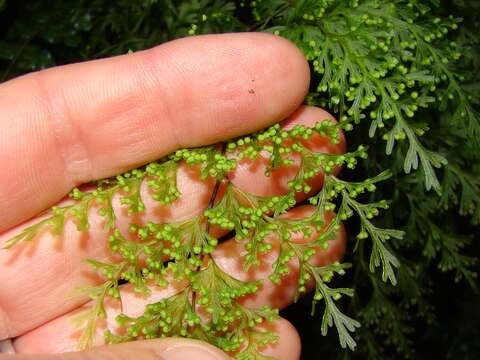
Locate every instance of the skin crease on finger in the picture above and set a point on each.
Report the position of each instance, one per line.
(97, 119)
(194, 198)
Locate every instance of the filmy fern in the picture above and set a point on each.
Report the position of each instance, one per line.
(209, 307)
(402, 74)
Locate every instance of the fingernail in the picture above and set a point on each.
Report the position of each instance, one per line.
(189, 352)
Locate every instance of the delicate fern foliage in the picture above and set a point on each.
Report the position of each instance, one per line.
(209, 307)
(401, 75)
(378, 60)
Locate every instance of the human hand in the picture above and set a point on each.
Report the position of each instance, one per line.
(69, 125)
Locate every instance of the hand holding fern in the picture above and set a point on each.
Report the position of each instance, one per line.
(88, 121)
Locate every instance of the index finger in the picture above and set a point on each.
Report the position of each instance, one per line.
(69, 125)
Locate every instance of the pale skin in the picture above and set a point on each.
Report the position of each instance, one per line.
(69, 125)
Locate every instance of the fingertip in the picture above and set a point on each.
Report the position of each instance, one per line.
(277, 181)
(336, 246)
(309, 116)
(252, 80)
(288, 346)
(230, 257)
(295, 70)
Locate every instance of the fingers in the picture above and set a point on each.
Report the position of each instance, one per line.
(230, 256)
(158, 349)
(64, 336)
(30, 298)
(277, 182)
(57, 336)
(86, 121)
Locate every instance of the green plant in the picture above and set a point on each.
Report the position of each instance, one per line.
(208, 307)
(401, 75)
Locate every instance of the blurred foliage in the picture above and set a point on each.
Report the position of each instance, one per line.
(433, 312)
